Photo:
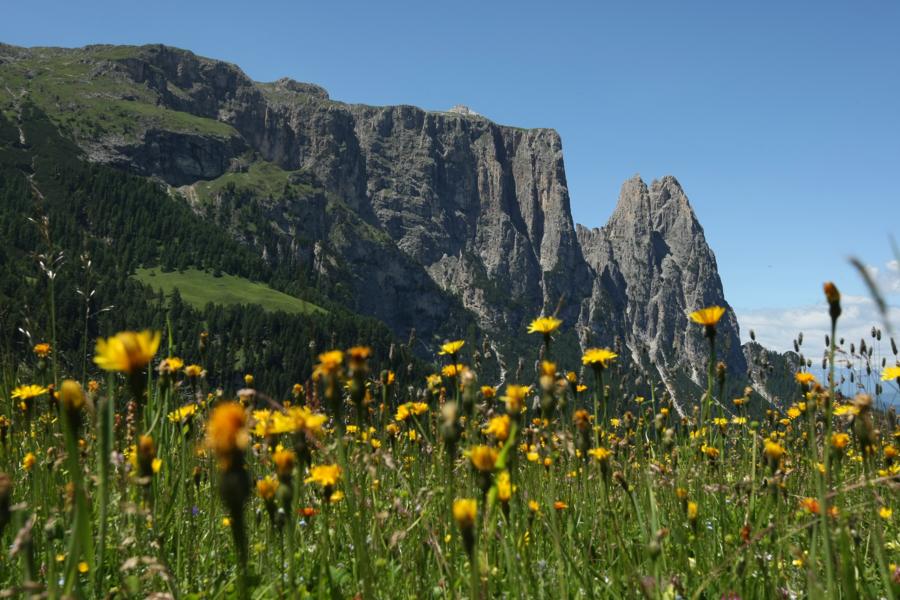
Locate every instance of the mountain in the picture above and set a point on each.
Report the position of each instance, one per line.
(445, 223)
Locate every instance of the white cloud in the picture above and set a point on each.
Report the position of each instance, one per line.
(777, 328)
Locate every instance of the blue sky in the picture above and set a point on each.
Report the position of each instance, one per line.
(780, 119)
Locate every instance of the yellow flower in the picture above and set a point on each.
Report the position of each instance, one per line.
(483, 458)
(248, 380)
(499, 427)
(560, 505)
(28, 392)
(42, 350)
(793, 412)
(402, 412)
(515, 398)
(267, 487)
(544, 325)
(71, 395)
(284, 462)
(452, 348)
(845, 409)
(464, 512)
(83, 567)
(300, 418)
(226, 432)
(708, 316)
(710, 451)
(453, 370)
(326, 476)
(804, 377)
(885, 513)
(773, 450)
(488, 391)
(329, 363)
(182, 414)
(172, 364)
(504, 487)
(598, 357)
(127, 351)
(692, 510)
(533, 506)
(336, 497)
(193, 371)
(600, 454)
(28, 461)
(532, 456)
(840, 441)
(433, 381)
(889, 373)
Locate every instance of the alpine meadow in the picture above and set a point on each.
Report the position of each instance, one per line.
(256, 342)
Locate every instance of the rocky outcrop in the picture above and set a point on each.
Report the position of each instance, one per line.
(446, 219)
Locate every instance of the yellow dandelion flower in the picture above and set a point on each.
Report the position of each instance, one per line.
(226, 432)
(804, 377)
(885, 513)
(544, 325)
(41, 350)
(326, 476)
(28, 461)
(464, 512)
(453, 370)
(889, 373)
(483, 458)
(499, 427)
(28, 392)
(598, 357)
(452, 348)
(515, 398)
(183, 413)
(193, 371)
(329, 363)
(127, 351)
(267, 487)
(708, 316)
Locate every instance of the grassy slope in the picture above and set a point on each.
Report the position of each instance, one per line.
(199, 288)
(87, 101)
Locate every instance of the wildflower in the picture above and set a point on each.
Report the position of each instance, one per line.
(600, 454)
(533, 506)
(692, 510)
(840, 441)
(560, 505)
(267, 487)
(885, 513)
(329, 364)
(284, 463)
(504, 487)
(452, 348)
(464, 512)
(810, 505)
(42, 350)
(28, 392)
(499, 427)
(544, 325)
(71, 396)
(433, 381)
(711, 452)
(127, 351)
(483, 458)
(28, 461)
(453, 370)
(83, 567)
(193, 371)
(708, 316)
(773, 452)
(326, 476)
(598, 357)
(804, 378)
(488, 392)
(144, 457)
(515, 398)
(170, 365)
(182, 414)
(889, 373)
(226, 433)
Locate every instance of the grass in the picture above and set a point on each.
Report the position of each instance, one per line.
(262, 179)
(200, 288)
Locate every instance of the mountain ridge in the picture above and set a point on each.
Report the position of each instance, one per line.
(471, 231)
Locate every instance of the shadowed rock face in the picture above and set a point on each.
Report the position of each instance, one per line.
(469, 217)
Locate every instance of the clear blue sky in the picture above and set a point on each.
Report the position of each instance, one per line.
(781, 119)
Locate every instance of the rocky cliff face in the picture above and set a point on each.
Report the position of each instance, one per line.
(435, 220)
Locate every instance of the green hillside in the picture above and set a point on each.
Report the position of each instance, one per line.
(199, 288)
